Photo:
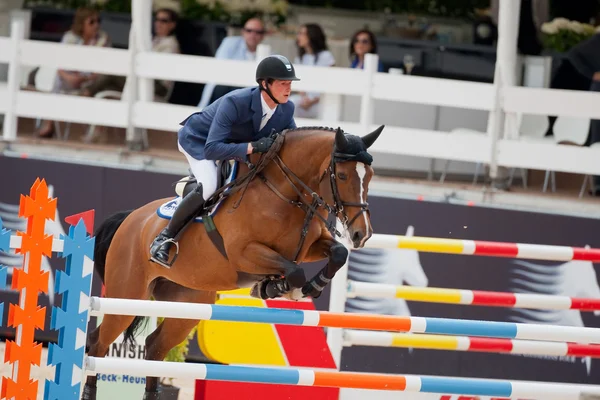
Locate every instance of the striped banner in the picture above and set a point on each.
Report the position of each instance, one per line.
(441, 326)
(465, 343)
(471, 297)
(306, 377)
(482, 248)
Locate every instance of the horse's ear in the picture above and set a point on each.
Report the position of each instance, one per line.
(369, 139)
(340, 139)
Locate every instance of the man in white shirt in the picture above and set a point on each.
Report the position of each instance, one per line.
(235, 48)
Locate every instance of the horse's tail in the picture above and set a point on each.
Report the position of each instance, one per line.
(104, 236)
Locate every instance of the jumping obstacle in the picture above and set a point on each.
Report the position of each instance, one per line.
(71, 316)
(471, 297)
(306, 377)
(484, 248)
(342, 288)
(440, 326)
(74, 284)
(467, 343)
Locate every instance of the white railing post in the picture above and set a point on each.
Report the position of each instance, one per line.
(131, 92)
(17, 32)
(505, 75)
(141, 17)
(331, 107)
(366, 100)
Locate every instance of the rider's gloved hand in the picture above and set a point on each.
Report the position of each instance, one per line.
(262, 145)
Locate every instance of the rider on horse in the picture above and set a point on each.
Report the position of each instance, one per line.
(232, 127)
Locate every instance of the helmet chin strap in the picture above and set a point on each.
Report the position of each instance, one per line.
(268, 91)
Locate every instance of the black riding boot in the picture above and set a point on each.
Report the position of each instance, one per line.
(187, 210)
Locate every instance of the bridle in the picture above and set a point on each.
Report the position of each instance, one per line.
(310, 208)
(338, 203)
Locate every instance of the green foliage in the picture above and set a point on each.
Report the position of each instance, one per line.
(219, 12)
(193, 10)
(563, 41)
(190, 9)
(561, 34)
(63, 4)
(117, 6)
(439, 8)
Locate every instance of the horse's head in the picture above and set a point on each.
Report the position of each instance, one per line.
(350, 172)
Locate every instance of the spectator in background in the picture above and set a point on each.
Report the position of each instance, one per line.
(312, 50)
(235, 48)
(164, 41)
(84, 31)
(363, 42)
(580, 70)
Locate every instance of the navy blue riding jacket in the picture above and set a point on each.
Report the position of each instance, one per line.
(222, 130)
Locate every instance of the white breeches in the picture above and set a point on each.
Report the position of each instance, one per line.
(205, 171)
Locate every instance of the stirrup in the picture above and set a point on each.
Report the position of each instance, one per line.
(158, 248)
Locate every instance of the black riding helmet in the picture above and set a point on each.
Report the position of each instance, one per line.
(275, 67)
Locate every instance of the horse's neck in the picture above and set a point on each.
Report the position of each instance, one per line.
(307, 157)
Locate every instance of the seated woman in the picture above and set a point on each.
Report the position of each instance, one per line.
(84, 31)
(164, 41)
(363, 42)
(312, 50)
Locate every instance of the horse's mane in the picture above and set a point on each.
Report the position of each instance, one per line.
(314, 128)
(312, 131)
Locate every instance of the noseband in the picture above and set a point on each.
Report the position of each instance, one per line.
(317, 201)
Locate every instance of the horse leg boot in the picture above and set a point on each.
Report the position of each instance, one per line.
(281, 275)
(338, 255)
(187, 210)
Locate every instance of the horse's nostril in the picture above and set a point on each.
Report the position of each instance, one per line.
(357, 237)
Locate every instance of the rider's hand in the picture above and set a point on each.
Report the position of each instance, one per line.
(262, 145)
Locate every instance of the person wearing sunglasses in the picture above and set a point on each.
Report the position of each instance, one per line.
(235, 48)
(363, 42)
(163, 41)
(84, 31)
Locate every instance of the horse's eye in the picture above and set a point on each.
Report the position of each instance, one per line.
(342, 176)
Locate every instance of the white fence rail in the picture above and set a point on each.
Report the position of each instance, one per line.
(499, 145)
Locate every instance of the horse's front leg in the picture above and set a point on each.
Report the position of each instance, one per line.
(281, 275)
(337, 255)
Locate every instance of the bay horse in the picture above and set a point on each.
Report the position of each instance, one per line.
(279, 213)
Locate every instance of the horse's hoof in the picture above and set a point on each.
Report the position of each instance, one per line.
(255, 291)
(89, 393)
(152, 396)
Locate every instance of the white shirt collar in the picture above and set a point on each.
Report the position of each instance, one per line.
(265, 107)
